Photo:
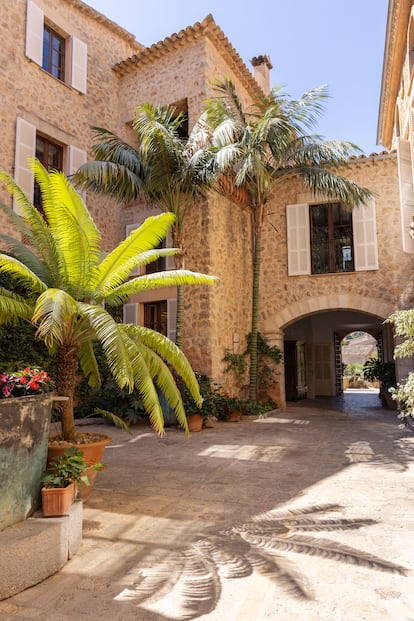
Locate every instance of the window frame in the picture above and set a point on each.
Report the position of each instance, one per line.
(48, 63)
(330, 241)
(364, 225)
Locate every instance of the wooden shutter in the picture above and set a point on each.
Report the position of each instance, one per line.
(128, 230)
(25, 149)
(364, 227)
(406, 192)
(172, 319)
(298, 239)
(79, 61)
(76, 158)
(34, 32)
(131, 313)
(169, 261)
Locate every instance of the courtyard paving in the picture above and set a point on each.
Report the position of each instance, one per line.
(304, 515)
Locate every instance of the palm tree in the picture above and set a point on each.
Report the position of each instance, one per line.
(164, 168)
(255, 150)
(69, 283)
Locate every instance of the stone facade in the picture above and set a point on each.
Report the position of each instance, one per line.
(122, 74)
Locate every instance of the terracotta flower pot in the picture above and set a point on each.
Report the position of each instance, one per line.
(92, 452)
(234, 416)
(56, 501)
(195, 422)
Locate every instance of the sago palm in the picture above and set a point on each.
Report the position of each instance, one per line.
(256, 149)
(69, 283)
(163, 168)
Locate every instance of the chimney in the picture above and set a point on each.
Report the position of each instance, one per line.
(262, 67)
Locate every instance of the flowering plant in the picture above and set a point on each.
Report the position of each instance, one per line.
(24, 383)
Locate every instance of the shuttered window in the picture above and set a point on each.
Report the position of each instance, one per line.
(62, 55)
(30, 144)
(348, 246)
(405, 176)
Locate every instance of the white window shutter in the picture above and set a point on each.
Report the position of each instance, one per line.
(128, 230)
(131, 313)
(170, 261)
(25, 149)
(172, 319)
(406, 192)
(76, 158)
(79, 62)
(364, 225)
(34, 32)
(298, 239)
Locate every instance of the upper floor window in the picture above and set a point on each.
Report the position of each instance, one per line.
(61, 54)
(50, 155)
(331, 239)
(327, 239)
(160, 265)
(53, 53)
(53, 154)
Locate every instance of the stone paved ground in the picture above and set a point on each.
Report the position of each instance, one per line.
(175, 528)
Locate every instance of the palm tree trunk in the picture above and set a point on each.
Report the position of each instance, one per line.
(255, 315)
(66, 368)
(180, 317)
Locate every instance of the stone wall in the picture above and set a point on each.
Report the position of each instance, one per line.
(390, 283)
(56, 109)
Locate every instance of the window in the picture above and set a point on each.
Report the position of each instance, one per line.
(53, 53)
(50, 155)
(160, 265)
(325, 239)
(156, 316)
(64, 56)
(331, 239)
(30, 143)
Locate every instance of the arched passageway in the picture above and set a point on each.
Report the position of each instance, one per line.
(312, 331)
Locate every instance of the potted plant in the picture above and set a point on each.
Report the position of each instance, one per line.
(375, 369)
(235, 407)
(26, 400)
(60, 482)
(70, 284)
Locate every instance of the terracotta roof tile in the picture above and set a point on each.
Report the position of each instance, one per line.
(207, 28)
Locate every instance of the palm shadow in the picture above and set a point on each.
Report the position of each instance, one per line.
(193, 577)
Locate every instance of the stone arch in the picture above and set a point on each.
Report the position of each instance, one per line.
(336, 301)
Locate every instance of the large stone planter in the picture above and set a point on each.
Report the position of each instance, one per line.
(24, 432)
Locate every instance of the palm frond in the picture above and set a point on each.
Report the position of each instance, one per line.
(113, 344)
(25, 255)
(170, 278)
(20, 273)
(18, 222)
(13, 307)
(170, 352)
(119, 263)
(161, 374)
(35, 227)
(113, 418)
(53, 313)
(143, 381)
(323, 181)
(112, 179)
(88, 363)
(74, 230)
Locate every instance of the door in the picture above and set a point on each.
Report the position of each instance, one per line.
(322, 369)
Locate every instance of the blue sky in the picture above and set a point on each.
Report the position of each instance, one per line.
(333, 42)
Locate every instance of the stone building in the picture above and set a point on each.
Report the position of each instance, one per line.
(65, 67)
